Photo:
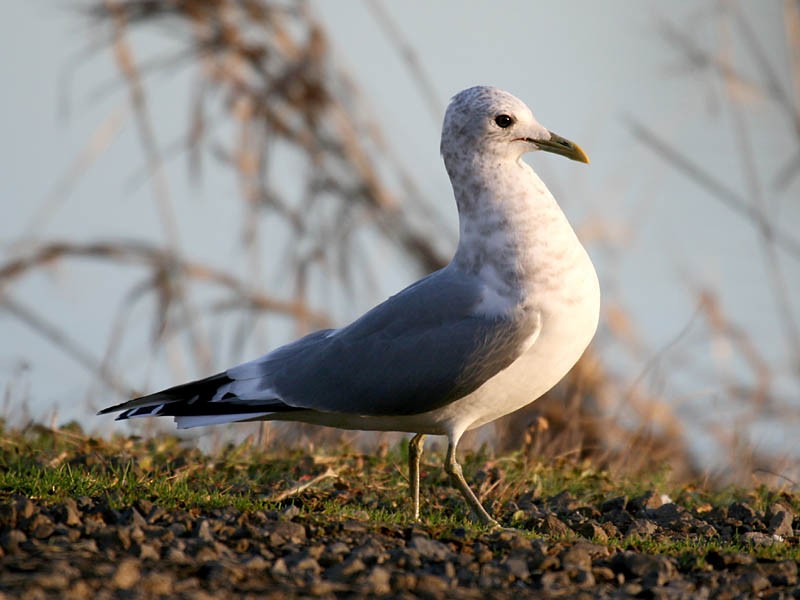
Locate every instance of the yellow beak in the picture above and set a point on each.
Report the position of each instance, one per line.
(559, 145)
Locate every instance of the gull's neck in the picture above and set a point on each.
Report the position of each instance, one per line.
(512, 231)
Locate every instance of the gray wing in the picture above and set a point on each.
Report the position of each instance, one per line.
(419, 350)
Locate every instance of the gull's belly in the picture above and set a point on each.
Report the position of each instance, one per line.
(569, 322)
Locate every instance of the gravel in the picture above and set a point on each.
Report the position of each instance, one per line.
(84, 549)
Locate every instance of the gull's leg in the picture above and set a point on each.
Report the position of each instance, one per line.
(454, 470)
(414, 454)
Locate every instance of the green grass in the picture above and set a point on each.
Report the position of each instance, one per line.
(50, 466)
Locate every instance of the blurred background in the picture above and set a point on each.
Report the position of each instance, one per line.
(187, 184)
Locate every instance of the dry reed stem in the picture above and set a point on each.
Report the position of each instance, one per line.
(267, 68)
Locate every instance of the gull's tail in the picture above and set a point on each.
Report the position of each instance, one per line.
(203, 402)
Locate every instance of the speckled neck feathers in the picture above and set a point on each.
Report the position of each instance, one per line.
(513, 235)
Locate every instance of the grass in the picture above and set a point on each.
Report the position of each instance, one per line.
(52, 465)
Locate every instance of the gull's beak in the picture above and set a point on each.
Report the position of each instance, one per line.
(559, 145)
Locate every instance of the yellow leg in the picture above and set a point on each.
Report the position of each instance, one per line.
(454, 470)
(414, 454)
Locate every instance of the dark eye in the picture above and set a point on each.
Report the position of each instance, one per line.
(504, 121)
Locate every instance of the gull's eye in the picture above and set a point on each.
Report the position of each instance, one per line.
(504, 121)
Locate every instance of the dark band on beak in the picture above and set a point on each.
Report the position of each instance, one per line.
(559, 145)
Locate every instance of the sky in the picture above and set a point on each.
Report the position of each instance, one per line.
(587, 69)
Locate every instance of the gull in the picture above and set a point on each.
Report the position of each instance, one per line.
(489, 333)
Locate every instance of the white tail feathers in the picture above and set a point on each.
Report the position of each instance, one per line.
(187, 422)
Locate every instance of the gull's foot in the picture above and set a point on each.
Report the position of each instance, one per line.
(483, 518)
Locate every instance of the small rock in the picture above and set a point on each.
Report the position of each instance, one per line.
(780, 519)
(282, 532)
(144, 506)
(555, 527)
(177, 529)
(206, 554)
(42, 527)
(617, 503)
(549, 562)
(279, 568)
(307, 564)
(80, 590)
(632, 589)
(315, 550)
(761, 539)
(482, 552)
(752, 581)
(11, 540)
(256, 563)
(25, 509)
(603, 574)
(611, 529)
(52, 581)
(666, 513)
(370, 552)
(148, 552)
(378, 581)
(592, 530)
(402, 581)
(351, 526)
(319, 587)
(290, 512)
(430, 549)
(157, 584)
(518, 568)
(203, 531)
(648, 501)
(583, 578)
(127, 574)
(520, 542)
(213, 570)
(431, 586)
(351, 566)
(335, 551)
(563, 503)
(450, 571)
(123, 535)
(505, 536)
(575, 557)
(84, 503)
(555, 581)
(652, 570)
(705, 529)
(177, 556)
(156, 514)
(137, 520)
(729, 559)
(72, 516)
(740, 511)
(406, 558)
(620, 519)
(8, 514)
(642, 529)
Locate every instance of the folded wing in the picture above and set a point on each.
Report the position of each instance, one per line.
(419, 350)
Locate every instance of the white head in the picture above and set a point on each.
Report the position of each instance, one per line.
(485, 121)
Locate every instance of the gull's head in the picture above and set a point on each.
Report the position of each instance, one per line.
(490, 122)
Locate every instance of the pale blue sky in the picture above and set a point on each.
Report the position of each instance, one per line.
(582, 66)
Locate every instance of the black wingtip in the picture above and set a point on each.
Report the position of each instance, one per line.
(111, 409)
